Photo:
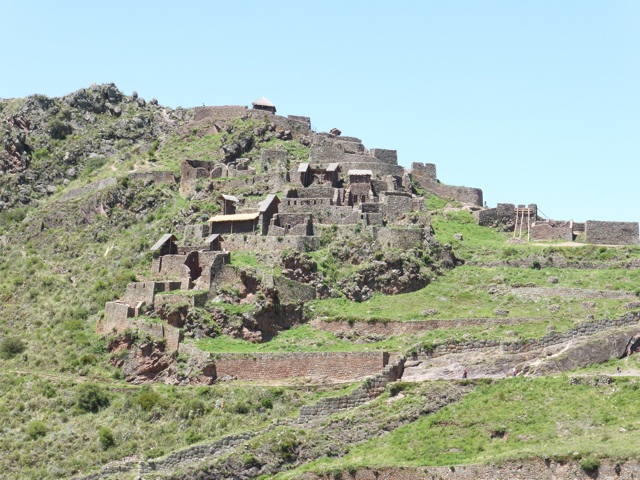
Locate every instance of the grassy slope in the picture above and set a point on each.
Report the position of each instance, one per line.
(53, 285)
(507, 419)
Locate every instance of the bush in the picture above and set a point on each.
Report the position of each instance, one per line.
(105, 435)
(58, 129)
(266, 403)
(10, 347)
(147, 399)
(192, 437)
(590, 464)
(36, 429)
(91, 398)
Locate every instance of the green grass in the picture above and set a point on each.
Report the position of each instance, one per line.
(299, 339)
(507, 419)
(463, 293)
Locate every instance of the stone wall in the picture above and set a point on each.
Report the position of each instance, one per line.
(119, 317)
(222, 112)
(534, 293)
(399, 238)
(265, 244)
(551, 231)
(427, 170)
(140, 292)
(554, 338)
(156, 177)
(116, 318)
(386, 156)
(370, 389)
(190, 299)
(611, 233)
(173, 266)
(75, 193)
(467, 195)
(339, 366)
(311, 192)
(395, 204)
(487, 217)
(396, 328)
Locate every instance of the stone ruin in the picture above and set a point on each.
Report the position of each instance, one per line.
(524, 221)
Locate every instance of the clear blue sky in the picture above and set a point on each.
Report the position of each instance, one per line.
(532, 101)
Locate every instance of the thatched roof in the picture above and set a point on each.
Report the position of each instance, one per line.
(262, 102)
(237, 217)
(229, 197)
(360, 172)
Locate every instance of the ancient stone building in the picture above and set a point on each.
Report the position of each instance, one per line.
(228, 204)
(360, 186)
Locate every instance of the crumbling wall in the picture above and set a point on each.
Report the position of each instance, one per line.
(75, 193)
(467, 195)
(611, 233)
(222, 112)
(156, 177)
(386, 156)
(551, 231)
(339, 366)
(116, 318)
(291, 224)
(427, 170)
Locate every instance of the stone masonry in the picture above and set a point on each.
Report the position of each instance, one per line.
(339, 366)
(611, 233)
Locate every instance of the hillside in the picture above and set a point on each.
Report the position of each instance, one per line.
(222, 292)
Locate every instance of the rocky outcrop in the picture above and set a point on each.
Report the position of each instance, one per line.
(146, 360)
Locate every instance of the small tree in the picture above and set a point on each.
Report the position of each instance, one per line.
(91, 398)
(10, 347)
(105, 435)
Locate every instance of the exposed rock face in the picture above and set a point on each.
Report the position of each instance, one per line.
(149, 361)
(33, 159)
(393, 274)
(299, 267)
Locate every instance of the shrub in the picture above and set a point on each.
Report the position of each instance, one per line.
(192, 437)
(147, 399)
(58, 129)
(249, 460)
(266, 403)
(10, 347)
(240, 408)
(36, 429)
(105, 435)
(536, 265)
(286, 446)
(590, 464)
(91, 398)
(396, 387)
